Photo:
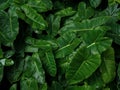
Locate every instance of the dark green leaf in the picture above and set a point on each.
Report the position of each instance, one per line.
(28, 84)
(49, 63)
(114, 33)
(13, 87)
(53, 25)
(95, 3)
(107, 67)
(40, 5)
(15, 71)
(33, 68)
(79, 66)
(85, 25)
(84, 87)
(38, 21)
(96, 42)
(65, 12)
(8, 27)
(1, 71)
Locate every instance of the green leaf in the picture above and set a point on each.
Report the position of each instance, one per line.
(66, 39)
(53, 25)
(83, 12)
(107, 67)
(15, 71)
(112, 10)
(65, 12)
(49, 63)
(4, 4)
(38, 21)
(6, 62)
(82, 66)
(1, 53)
(9, 53)
(8, 27)
(40, 5)
(43, 87)
(95, 3)
(1, 71)
(13, 87)
(85, 25)
(31, 49)
(28, 84)
(96, 42)
(40, 43)
(56, 86)
(114, 33)
(38, 70)
(96, 81)
(84, 87)
(33, 68)
(67, 49)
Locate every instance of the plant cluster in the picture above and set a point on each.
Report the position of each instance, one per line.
(59, 45)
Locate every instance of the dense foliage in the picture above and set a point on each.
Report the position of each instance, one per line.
(59, 45)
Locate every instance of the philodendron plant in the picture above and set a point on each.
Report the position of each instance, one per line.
(59, 45)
